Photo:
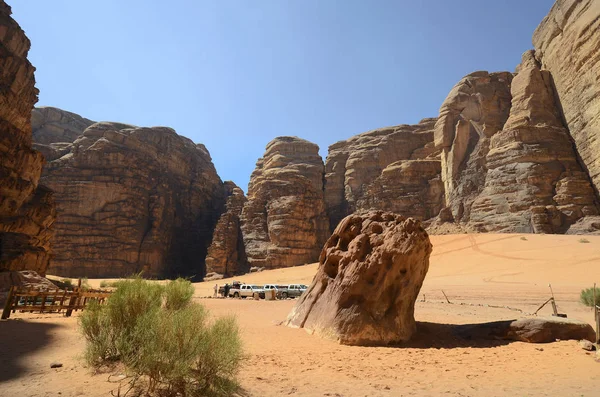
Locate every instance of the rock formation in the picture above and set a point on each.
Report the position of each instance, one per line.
(284, 222)
(476, 108)
(370, 272)
(51, 125)
(394, 169)
(226, 255)
(533, 182)
(27, 210)
(133, 199)
(567, 43)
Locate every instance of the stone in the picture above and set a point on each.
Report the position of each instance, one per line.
(586, 225)
(27, 209)
(284, 222)
(53, 125)
(587, 345)
(226, 255)
(533, 181)
(133, 199)
(475, 109)
(393, 169)
(548, 329)
(370, 272)
(567, 44)
(56, 365)
(529, 329)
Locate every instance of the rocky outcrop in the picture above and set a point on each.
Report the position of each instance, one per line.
(476, 108)
(567, 43)
(370, 273)
(226, 255)
(52, 125)
(27, 209)
(284, 222)
(133, 200)
(395, 169)
(534, 182)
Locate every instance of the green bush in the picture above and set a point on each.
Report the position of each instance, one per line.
(587, 297)
(178, 294)
(157, 332)
(66, 283)
(584, 240)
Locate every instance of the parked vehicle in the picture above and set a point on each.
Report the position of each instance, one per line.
(293, 291)
(247, 290)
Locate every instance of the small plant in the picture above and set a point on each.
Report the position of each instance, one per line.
(587, 297)
(523, 238)
(159, 333)
(67, 283)
(178, 294)
(584, 240)
(109, 284)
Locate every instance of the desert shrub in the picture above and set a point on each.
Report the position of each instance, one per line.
(109, 284)
(178, 294)
(174, 346)
(66, 283)
(587, 297)
(523, 238)
(584, 240)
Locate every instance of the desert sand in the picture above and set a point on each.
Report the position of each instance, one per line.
(486, 277)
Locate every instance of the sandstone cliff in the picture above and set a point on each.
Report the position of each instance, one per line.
(393, 169)
(226, 255)
(53, 125)
(27, 209)
(133, 199)
(567, 43)
(284, 222)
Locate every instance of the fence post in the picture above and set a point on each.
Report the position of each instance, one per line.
(72, 301)
(8, 304)
(597, 310)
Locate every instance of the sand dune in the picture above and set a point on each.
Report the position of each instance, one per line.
(480, 275)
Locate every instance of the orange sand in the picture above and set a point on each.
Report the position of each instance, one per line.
(474, 270)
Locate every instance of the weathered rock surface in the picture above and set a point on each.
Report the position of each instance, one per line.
(284, 222)
(226, 255)
(475, 109)
(394, 169)
(133, 199)
(53, 125)
(370, 272)
(533, 181)
(27, 210)
(567, 43)
(24, 278)
(529, 329)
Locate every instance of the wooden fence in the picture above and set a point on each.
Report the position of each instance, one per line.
(29, 300)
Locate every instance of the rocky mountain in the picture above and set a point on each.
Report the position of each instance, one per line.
(130, 200)
(226, 255)
(53, 125)
(27, 209)
(393, 169)
(284, 222)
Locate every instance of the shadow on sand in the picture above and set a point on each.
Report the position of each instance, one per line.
(19, 339)
(448, 336)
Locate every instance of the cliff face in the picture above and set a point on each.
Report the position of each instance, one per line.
(133, 199)
(284, 222)
(567, 43)
(52, 125)
(393, 169)
(226, 255)
(27, 209)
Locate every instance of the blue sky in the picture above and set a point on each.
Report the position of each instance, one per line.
(234, 74)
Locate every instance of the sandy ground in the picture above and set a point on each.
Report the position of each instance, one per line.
(476, 272)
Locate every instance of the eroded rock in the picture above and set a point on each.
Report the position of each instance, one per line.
(394, 169)
(284, 222)
(226, 255)
(133, 200)
(370, 272)
(27, 210)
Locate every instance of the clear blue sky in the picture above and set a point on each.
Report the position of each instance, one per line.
(234, 74)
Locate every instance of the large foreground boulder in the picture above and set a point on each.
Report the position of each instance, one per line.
(370, 273)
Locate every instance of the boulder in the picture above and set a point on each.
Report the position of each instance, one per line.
(132, 200)
(226, 255)
(284, 222)
(549, 329)
(27, 209)
(392, 169)
(370, 272)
